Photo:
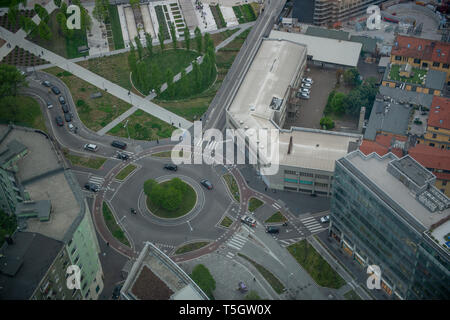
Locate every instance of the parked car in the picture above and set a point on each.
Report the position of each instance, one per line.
(325, 219)
(49, 105)
(272, 229)
(304, 96)
(65, 108)
(55, 90)
(306, 85)
(62, 100)
(304, 90)
(46, 83)
(67, 117)
(71, 127)
(59, 121)
(170, 166)
(307, 80)
(91, 186)
(119, 144)
(90, 147)
(122, 156)
(249, 221)
(208, 185)
(116, 292)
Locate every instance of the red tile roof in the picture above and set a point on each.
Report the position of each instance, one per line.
(381, 145)
(440, 113)
(424, 49)
(431, 157)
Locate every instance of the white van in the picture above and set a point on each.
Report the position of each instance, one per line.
(91, 147)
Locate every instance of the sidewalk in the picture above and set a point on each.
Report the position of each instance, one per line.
(116, 121)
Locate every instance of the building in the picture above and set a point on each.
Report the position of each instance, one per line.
(154, 276)
(55, 225)
(435, 160)
(385, 143)
(438, 125)
(324, 52)
(422, 53)
(385, 211)
(304, 158)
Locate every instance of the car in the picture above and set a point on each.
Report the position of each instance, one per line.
(116, 292)
(65, 108)
(49, 105)
(304, 90)
(304, 96)
(55, 90)
(62, 100)
(59, 121)
(325, 219)
(170, 166)
(91, 187)
(67, 117)
(249, 221)
(272, 229)
(307, 80)
(71, 127)
(119, 144)
(208, 185)
(90, 147)
(46, 83)
(306, 85)
(122, 156)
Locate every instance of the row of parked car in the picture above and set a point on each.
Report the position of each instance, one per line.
(65, 108)
(305, 88)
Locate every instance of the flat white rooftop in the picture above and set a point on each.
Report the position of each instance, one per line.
(334, 51)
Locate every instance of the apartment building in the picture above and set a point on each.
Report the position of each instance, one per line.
(438, 124)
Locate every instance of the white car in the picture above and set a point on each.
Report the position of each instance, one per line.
(304, 90)
(49, 105)
(306, 85)
(307, 80)
(71, 127)
(250, 221)
(325, 219)
(304, 96)
(90, 147)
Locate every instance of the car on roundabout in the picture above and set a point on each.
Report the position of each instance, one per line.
(207, 184)
(248, 221)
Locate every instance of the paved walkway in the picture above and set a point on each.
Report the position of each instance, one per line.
(116, 121)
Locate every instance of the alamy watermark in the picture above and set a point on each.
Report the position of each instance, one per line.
(74, 20)
(374, 20)
(374, 280)
(74, 278)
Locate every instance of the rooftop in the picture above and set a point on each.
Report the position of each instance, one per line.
(327, 50)
(424, 49)
(435, 79)
(154, 276)
(440, 113)
(433, 158)
(327, 33)
(11, 150)
(412, 97)
(384, 143)
(368, 44)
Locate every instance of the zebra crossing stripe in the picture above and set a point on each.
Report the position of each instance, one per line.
(307, 219)
(95, 179)
(311, 223)
(237, 236)
(276, 205)
(237, 241)
(317, 230)
(233, 246)
(315, 227)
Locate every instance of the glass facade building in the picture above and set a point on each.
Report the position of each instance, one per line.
(378, 219)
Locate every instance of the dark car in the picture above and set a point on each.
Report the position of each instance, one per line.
(59, 121)
(170, 166)
(116, 292)
(55, 90)
(65, 108)
(67, 117)
(119, 144)
(122, 156)
(272, 229)
(46, 83)
(62, 100)
(208, 185)
(91, 187)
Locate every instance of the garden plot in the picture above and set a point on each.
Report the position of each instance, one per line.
(163, 12)
(123, 24)
(229, 16)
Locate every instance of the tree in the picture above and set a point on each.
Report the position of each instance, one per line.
(132, 62)
(44, 31)
(149, 40)
(161, 38)
(337, 103)
(169, 80)
(41, 11)
(12, 14)
(172, 198)
(57, 3)
(198, 39)
(134, 3)
(100, 11)
(197, 75)
(208, 43)
(173, 34)
(327, 122)
(351, 77)
(64, 8)
(187, 38)
(138, 46)
(12, 80)
(204, 279)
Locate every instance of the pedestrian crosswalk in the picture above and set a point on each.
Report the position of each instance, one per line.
(312, 224)
(230, 255)
(276, 206)
(287, 242)
(237, 242)
(96, 180)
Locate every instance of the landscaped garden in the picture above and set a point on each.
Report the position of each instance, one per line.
(115, 27)
(417, 75)
(191, 247)
(203, 278)
(226, 222)
(254, 204)
(315, 265)
(23, 111)
(276, 217)
(125, 172)
(218, 16)
(112, 225)
(232, 186)
(244, 13)
(169, 199)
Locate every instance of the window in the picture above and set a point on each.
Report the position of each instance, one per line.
(424, 65)
(290, 172)
(306, 174)
(434, 135)
(431, 144)
(398, 58)
(445, 66)
(417, 61)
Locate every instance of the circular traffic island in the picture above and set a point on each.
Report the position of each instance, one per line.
(169, 199)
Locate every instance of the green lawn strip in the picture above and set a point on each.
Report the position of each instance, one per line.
(112, 225)
(163, 154)
(125, 172)
(191, 247)
(143, 126)
(218, 18)
(352, 295)
(217, 38)
(226, 222)
(232, 186)
(94, 113)
(276, 217)
(238, 14)
(252, 295)
(254, 204)
(115, 27)
(269, 276)
(88, 162)
(315, 265)
(8, 225)
(203, 278)
(79, 39)
(26, 112)
(188, 202)
(248, 13)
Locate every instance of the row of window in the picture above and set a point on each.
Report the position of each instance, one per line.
(424, 64)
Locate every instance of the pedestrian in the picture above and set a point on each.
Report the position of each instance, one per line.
(254, 279)
(157, 141)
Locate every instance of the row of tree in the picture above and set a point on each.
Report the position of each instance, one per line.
(12, 81)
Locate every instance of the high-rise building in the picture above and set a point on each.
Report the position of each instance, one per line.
(385, 211)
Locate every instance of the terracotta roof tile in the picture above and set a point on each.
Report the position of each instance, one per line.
(440, 113)
(431, 50)
(431, 157)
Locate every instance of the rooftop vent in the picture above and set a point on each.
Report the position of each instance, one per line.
(252, 107)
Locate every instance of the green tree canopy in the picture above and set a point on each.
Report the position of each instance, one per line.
(161, 38)
(204, 279)
(351, 77)
(187, 38)
(198, 39)
(149, 41)
(327, 122)
(173, 34)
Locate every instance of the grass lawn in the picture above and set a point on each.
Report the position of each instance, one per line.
(112, 225)
(94, 113)
(125, 172)
(269, 276)
(239, 15)
(248, 12)
(226, 222)
(188, 202)
(254, 204)
(394, 74)
(252, 295)
(27, 113)
(276, 217)
(352, 295)
(232, 186)
(143, 126)
(8, 225)
(163, 154)
(115, 27)
(88, 162)
(204, 279)
(221, 36)
(315, 265)
(191, 247)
